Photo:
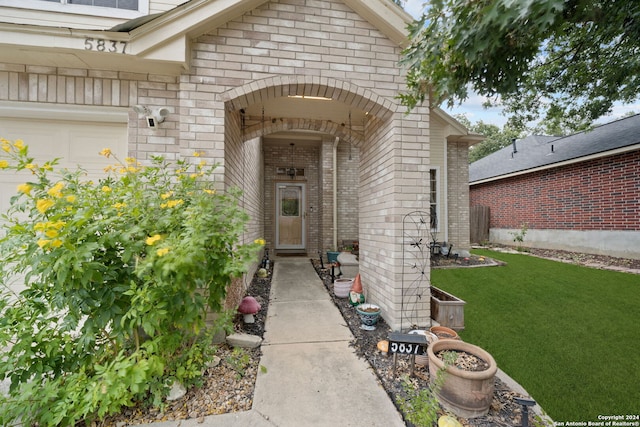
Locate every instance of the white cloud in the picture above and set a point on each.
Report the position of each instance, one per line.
(414, 7)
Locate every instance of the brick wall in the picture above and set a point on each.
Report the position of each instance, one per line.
(599, 194)
(458, 194)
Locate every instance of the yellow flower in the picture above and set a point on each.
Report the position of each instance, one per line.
(51, 233)
(56, 243)
(163, 205)
(6, 145)
(174, 203)
(132, 169)
(57, 225)
(260, 241)
(206, 190)
(24, 188)
(197, 154)
(193, 175)
(119, 205)
(202, 163)
(56, 190)
(106, 189)
(43, 242)
(106, 152)
(19, 144)
(153, 239)
(71, 198)
(162, 251)
(31, 166)
(47, 166)
(166, 195)
(108, 168)
(130, 160)
(4, 164)
(42, 205)
(40, 226)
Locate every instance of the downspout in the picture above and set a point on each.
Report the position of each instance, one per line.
(335, 193)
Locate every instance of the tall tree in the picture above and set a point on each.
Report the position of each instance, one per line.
(563, 61)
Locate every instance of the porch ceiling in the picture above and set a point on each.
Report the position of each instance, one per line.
(305, 108)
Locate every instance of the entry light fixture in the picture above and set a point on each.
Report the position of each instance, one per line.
(153, 118)
(317, 98)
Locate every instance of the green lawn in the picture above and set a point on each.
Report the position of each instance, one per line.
(569, 335)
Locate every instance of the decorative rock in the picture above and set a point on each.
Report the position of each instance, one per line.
(177, 391)
(215, 361)
(244, 340)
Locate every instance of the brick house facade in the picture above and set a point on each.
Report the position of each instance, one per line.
(242, 81)
(588, 203)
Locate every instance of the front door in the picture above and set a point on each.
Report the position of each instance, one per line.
(291, 216)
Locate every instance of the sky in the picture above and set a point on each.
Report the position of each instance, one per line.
(472, 107)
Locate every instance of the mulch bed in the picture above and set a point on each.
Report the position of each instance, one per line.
(504, 411)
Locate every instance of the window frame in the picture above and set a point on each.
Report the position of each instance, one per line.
(434, 205)
(78, 9)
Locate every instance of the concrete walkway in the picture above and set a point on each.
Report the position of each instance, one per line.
(313, 377)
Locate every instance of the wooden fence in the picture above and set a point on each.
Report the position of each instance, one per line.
(479, 224)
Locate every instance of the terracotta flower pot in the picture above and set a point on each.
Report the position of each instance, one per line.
(467, 394)
(444, 333)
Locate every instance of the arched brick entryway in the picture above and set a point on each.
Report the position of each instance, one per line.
(392, 168)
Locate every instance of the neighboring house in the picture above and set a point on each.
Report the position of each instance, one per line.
(579, 193)
(296, 100)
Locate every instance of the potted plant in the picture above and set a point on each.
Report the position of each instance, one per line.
(468, 387)
(369, 314)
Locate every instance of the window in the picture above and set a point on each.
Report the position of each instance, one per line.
(433, 198)
(116, 4)
(126, 9)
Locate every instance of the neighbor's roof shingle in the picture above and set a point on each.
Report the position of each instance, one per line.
(536, 151)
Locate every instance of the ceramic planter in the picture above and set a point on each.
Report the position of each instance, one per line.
(467, 394)
(369, 314)
(341, 287)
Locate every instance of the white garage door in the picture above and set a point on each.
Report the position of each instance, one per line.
(76, 143)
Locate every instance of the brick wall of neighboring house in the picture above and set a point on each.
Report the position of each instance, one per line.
(598, 194)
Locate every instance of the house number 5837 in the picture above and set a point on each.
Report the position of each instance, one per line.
(102, 45)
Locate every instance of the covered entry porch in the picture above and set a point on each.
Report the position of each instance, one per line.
(322, 160)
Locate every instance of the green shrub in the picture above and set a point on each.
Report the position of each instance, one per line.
(119, 275)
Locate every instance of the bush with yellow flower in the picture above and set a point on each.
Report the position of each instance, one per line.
(119, 276)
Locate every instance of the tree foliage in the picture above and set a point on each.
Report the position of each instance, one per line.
(565, 61)
(496, 138)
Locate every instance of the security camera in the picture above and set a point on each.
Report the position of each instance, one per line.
(152, 122)
(153, 118)
(141, 109)
(158, 116)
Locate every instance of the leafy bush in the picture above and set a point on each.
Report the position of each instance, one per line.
(119, 275)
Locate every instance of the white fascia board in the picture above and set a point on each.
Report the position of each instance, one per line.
(52, 37)
(389, 18)
(189, 20)
(47, 111)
